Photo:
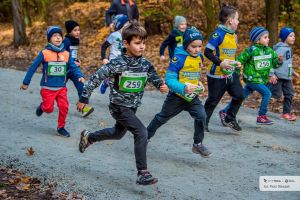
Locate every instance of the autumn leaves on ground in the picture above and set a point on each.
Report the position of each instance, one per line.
(90, 15)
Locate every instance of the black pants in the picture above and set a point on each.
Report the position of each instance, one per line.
(216, 90)
(126, 120)
(285, 87)
(172, 106)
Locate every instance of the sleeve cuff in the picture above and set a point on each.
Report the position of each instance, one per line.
(84, 100)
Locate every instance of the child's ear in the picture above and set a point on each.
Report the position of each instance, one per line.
(125, 43)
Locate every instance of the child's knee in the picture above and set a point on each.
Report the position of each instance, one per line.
(268, 94)
(47, 108)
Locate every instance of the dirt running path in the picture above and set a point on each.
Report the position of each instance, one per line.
(107, 169)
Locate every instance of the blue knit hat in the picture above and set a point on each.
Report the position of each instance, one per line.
(190, 35)
(257, 32)
(121, 22)
(285, 32)
(178, 20)
(53, 29)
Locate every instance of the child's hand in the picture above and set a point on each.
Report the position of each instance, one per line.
(296, 74)
(226, 64)
(164, 88)
(280, 58)
(105, 61)
(162, 58)
(77, 63)
(80, 106)
(81, 79)
(273, 79)
(190, 88)
(201, 86)
(23, 87)
(238, 64)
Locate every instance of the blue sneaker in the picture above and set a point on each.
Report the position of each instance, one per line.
(104, 86)
(63, 132)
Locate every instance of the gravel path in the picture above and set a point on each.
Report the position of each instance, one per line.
(107, 169)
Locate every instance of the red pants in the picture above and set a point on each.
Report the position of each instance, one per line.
(61, 98)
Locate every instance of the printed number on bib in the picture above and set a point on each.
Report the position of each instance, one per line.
(132, 82)
(74, 51)
(262, 62)
(57, 68)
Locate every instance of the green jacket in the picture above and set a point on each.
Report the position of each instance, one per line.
(258, 61)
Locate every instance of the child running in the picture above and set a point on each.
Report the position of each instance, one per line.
(258, 61)
(285, 72)
(221, 75)
(71, 43)
(130, 73)
(56, 63)
(175, 38)
(183, 80)
(114, 41)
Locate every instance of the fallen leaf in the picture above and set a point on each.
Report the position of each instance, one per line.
(25, 179)
(30, 151)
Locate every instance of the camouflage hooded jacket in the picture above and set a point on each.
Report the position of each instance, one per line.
(124, 91)
(258, 61)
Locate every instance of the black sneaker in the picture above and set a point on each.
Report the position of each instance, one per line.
(222, 116)
(201, 149)
(233, 125)
(145, 178)
(39, 111)
(84, 142)
(63, 132)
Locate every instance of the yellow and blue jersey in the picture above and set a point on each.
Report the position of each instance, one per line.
(183, 69)
(225, 45)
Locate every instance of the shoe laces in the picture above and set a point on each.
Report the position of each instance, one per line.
(145, 173)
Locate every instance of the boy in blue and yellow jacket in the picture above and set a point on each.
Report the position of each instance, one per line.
(183, 79)
(222, 75)
(56, 62)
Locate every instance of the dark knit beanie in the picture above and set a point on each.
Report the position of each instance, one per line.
(285, 32)
(257, 32)
(190, 35)
(70, 25)
(53, 29)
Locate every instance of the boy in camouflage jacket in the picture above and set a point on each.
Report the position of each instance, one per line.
(129, 74)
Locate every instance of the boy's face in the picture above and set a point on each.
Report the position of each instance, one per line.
(56, 39)
(194, 48)
(75, 32)
(136, 47)
(182, 26)
(264, 40)
(234, 21)
(291, 39)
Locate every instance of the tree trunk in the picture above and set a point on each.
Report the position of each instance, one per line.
(272, 14)
(210, 16)
(27, 17)
(19, 25)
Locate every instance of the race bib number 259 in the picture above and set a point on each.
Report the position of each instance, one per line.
(132, 82)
